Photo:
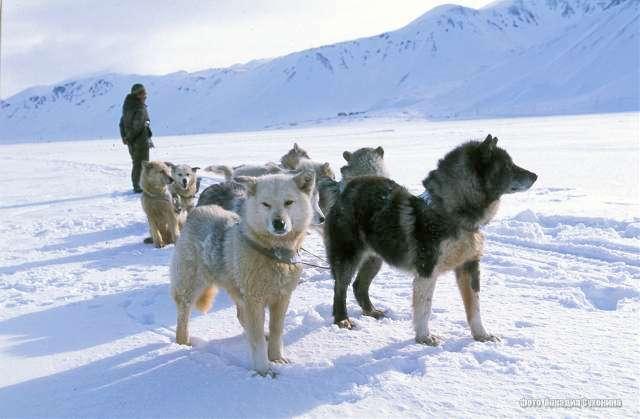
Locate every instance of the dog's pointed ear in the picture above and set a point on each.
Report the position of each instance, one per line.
(490, 142)
(326, 170)
(487, 147)
(168, 178)
(249, 182)
(296, 147)
(380, 151)
(171, 165)
(347, 156)
(305, 180)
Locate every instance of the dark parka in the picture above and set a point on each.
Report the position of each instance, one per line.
(133, 124)
(136, 134)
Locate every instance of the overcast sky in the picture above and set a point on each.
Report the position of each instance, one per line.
(46, 41)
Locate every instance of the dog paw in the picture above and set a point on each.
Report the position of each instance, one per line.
(430, 340)
(486, 338)
(268, 373)
(346, 324)
(375, 313)
(280, 360)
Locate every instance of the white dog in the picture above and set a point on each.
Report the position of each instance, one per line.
(253, 256)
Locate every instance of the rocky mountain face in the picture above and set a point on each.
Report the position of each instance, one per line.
(511, 58)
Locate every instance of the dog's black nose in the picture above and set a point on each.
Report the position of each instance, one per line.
(321, 220)
(278, 224)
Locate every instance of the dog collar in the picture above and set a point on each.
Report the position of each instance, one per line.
(185, 196)
(426, 197)
(280, 254)
(165, 196)
(183, 192)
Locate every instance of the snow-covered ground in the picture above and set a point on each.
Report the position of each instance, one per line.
(87, 324)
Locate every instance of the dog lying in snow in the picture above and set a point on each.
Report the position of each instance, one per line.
(289, 161)
(231, 194)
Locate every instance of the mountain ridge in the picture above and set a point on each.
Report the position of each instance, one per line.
(510, 58)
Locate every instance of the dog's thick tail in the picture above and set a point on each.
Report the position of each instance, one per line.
(221, 170)
(205, 301)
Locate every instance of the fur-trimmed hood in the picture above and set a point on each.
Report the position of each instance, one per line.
(131, 103)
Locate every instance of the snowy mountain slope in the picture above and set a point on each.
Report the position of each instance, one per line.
(87, 322)
(516, 57)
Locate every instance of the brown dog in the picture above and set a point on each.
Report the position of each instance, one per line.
(157, 203)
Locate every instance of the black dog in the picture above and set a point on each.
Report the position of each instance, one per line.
(374, 219)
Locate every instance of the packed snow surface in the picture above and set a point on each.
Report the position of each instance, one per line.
(87, 324)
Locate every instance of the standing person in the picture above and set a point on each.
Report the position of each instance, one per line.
(135, 131)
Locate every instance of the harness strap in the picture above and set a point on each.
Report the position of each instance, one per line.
(166, 196)
(280, 254)
(317, 257)
(185, 196)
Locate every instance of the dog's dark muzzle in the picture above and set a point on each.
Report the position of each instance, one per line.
(279, 226)
(184, 183)
(522, 180)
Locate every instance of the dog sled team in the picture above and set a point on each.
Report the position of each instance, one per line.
(244, 234)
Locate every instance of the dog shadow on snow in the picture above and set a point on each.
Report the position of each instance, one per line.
(97, 321)
(151, 381)
(75, 241)
(67, 200)
(162, 379)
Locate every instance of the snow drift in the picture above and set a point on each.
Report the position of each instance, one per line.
(87, 323)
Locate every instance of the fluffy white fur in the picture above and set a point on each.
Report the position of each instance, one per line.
(212, 252)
